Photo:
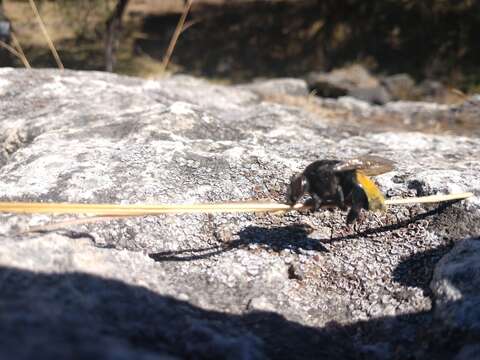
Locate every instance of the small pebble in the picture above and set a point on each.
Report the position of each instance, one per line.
(296, 272)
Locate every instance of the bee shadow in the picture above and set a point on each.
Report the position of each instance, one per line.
(294, 238)
(391, 227)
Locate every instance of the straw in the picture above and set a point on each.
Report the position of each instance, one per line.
(205, 208)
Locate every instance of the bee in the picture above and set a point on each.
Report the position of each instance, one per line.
(342, 183)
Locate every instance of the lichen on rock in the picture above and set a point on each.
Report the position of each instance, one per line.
(193, 285)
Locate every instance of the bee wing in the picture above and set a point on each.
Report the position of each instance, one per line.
(370, 165)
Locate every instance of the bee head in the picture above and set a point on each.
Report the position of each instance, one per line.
(298, 186)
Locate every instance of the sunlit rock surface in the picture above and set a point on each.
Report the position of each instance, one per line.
(233, 286)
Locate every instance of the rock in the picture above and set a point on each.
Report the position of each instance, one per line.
(357, 82)
(260, 303)
(459, 119)
(286, 86)
(344, 78)
(178, 286)
(353, 81)
(468, 352)
(118, 306)
(296, 272)
(374, 95)
(400, 86)
(431, 90)
(455, 285)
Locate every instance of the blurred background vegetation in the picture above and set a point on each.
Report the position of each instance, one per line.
(238, 40)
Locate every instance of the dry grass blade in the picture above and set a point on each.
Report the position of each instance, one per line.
(208, 208)
(10, 49)
(176, 35)
(18, 53)
(22, 56)
(429, 199)
(141, 209)
(105, 212)
(45, 34)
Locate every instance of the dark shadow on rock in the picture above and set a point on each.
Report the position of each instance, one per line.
(84, 316)
(417, 269)
(191, 254)
(392, 227)
(278, 238)
(294, 238)
(78, 315)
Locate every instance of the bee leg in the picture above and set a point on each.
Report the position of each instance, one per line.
(311, 204)
(314, 202)
(359, 202)
(340, 198)
(352, 215)
(317, 202)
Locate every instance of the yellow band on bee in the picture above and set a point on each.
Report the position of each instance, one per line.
(376, 201)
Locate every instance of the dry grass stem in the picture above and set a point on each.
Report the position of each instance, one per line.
(45, 34)
(18, 52)
(141, 209)
(10, 49)
(176, 35)
(429, 199)
(209, 208)
(22, 56)
(106, 212)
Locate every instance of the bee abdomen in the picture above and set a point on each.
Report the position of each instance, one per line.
(374, 196)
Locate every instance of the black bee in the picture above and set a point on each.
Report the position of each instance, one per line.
(341, 183)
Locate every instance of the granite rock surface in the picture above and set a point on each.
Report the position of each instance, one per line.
(230, 286)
